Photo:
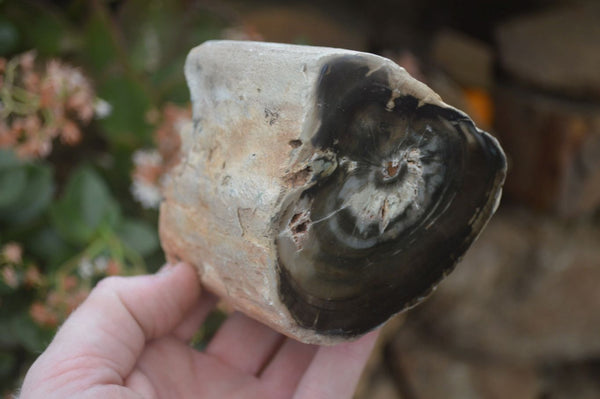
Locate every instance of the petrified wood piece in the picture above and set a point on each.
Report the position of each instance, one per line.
(323, 190)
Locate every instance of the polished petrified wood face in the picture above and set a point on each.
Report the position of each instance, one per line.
(400, 190)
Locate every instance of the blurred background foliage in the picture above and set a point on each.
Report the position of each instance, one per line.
(85, 88)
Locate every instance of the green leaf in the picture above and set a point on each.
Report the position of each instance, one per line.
(29, 334)
(8, 159)
(126, 125)
(153, 29)
(7, 362)
(85, 207)
(47, 244)
(4, 290)
(18, 329)
(7, 338)
(33, 199)
(9, 37)
(171, 81)
(101, 50)
(209, 328)
(12, 181)
(158, 35)
(40, 27)
(139, 236)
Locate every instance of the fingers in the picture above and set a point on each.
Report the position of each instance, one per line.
(244, 343)
(335, 370)
(195, 317)
(287, 367)
(166, 370)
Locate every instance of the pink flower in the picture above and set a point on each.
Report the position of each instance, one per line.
(113, 268)
(151, 165)
(12, 252)
(33, 277)
(69, 283)
(70, 133)
(41, 105)
(43, 315)
(10, 277)
(146, 176)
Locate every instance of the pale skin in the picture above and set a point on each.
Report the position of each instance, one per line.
(130, 338)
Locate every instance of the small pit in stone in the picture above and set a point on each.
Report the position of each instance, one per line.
(383, 210)
(295, 143)
(299, 224)
(295, 218)
(300, 228)
(390, 169)
(299, 178)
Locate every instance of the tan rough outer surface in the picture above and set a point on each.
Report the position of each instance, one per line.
(223, 200)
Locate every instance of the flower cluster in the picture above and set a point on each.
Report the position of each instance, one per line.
(59, 302)
(145, 187)
(70, 290)
(242, 32)
(58, 295)
(99, 266)
(14, 273)
(151, 165)
(37, 106)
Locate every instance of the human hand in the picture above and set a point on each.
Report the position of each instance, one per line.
(129, 339)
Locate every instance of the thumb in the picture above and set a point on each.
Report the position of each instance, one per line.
(101, 341)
